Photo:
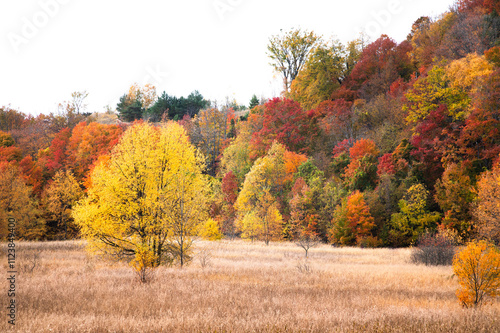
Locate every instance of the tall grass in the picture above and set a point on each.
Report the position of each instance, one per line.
(243, 287)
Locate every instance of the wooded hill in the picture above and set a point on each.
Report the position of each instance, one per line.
(370, 144)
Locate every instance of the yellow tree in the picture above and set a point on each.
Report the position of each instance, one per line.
(477, 268)
(148, 199)
(261, 189)
(16, 201)
(267, 209)
(469, 73)
(59, 198)
(319, 77)
(250, 226)
(264, 221)
(236, 156)
(6, 139)
(146, 94)
(455, 195)
(452, 84)
(183, 201)
(430, 91)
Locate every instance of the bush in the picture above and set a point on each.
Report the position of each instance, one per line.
(369, 242)
(477, 268)
(144, 263)
(434, 250)
(210, 230)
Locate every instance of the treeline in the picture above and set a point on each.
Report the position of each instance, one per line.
(143, 103)
(371, 144)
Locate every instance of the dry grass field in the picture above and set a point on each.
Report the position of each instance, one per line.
(236, 286)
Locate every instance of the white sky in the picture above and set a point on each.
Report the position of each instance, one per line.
(217, 47)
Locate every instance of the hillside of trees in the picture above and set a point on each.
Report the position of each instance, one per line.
(370, 144)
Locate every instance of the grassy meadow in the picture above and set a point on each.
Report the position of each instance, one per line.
(238, 286)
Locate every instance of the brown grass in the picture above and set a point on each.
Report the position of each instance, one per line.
(106, 118)
(243, 287)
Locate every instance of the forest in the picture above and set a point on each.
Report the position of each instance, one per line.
(370, 144)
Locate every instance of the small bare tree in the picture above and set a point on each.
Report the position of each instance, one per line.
(307, 240)
(205, 258)
(31, 260)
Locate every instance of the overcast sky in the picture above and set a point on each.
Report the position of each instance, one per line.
(51, 48)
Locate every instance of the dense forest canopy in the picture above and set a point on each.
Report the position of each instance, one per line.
(369, 144)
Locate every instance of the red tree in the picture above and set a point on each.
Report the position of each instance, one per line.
(335, 118)
(386, 165)
(480, 138)
(88, 142)
(58, 151)
(230, 188)
(12, 153)
(381, 63)
(342, 148)
(32, 174)
(284, 120)
(484, 6)
(361, 173)
(436, 143)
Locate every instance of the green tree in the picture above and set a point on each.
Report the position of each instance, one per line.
(171, 107)
(129, 109)
(340, 233)
(236, 157)
(414, 218)
(253, 102)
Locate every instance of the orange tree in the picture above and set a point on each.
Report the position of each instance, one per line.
(477, 268)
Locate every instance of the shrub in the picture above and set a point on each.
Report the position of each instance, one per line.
(433, 250)
(369, 242)
(143, 263)
(477, 268)
(210, 230)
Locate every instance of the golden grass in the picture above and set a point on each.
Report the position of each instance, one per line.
(243, 287)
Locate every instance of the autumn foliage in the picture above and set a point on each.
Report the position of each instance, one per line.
(487, 208)
(477, 268)
(285, 121)
(353, 222)
(371, 143)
